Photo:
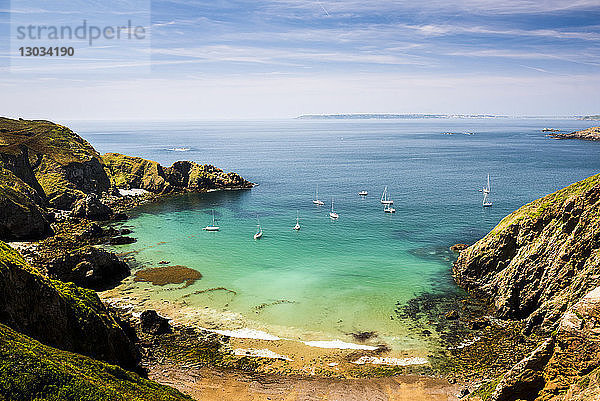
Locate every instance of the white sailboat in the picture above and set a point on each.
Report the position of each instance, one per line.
(385, 197)
(486, 194)
(316, 201)
(333, 214)
(259, 232)
(297, 226)
(212, 227)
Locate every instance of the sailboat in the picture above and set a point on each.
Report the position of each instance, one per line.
(384, 197)
(297, 226)
(316, 201)
(389, 209)
(486, 193)
(259, 232)
(212, 227)
(333, 214)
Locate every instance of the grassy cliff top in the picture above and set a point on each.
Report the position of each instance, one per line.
(548, 204)
(30, 370)
(44, 137)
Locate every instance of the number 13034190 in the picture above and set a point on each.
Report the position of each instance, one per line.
(46, 51)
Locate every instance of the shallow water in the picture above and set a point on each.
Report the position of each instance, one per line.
(336, 277)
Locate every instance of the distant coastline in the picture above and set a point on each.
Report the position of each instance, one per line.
(417, 116)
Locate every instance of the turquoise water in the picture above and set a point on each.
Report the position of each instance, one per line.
(334, 277)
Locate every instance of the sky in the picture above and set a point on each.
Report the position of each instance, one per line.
(239, 59)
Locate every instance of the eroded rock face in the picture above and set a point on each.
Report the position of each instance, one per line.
(590, 134)
(20, 216)
(539, 259)
(572, 372)
(59, 314)
(565, 367)
(89, 267)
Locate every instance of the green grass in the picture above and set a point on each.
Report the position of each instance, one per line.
(30, 370)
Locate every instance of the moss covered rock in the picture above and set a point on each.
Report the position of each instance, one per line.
(134, 172)
(53, 159)
(59, 314)
(540, 259)
(30, 370)
(20, 215)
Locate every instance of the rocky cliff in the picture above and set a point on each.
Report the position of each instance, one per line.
(52, 159)
(134, 172)
(21, 217)
(539, 260)
(59, 314)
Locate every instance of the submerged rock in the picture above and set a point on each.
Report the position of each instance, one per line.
(169, 275)
(457, 248)
(153, 323)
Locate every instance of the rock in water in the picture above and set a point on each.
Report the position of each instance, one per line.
(539, 258)
(92, 208)
(153, 323)
(89, 267)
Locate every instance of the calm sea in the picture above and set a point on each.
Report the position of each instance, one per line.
(335, 277)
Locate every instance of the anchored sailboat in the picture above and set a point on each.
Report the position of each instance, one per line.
(486, 194)
(333, 214)
(297, 226)
(212, 227)
(259, 232)
(385, 197)
(316, 201)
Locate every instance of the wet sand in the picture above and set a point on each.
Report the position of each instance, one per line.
(213, 384)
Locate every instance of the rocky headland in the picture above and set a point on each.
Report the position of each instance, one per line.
(590, 134)
(541, 266)
(57, 338)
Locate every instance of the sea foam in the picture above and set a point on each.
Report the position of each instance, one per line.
(338, 344)
(247, 333)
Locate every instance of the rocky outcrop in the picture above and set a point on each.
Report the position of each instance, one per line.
(133, 172)
(51, 158)
(89, 267)
(91, 208)
(153, 323)
(540, 259)
(59, 314)
(20, 216)
(590, 134)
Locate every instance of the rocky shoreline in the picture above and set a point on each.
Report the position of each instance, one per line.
(590, 134)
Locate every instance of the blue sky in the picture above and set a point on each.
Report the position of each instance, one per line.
(281, 58)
